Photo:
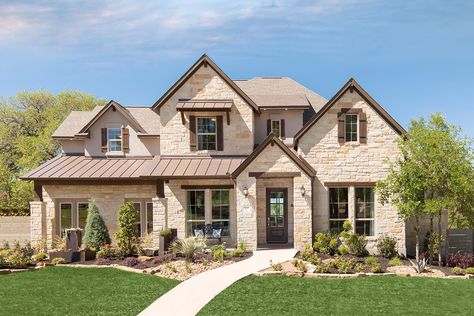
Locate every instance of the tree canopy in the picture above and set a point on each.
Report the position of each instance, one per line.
(27, 122)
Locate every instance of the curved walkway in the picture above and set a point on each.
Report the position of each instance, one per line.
(193, 294)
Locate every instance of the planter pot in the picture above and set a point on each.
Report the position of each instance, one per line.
(164, 244)
(87, 254)
(149, 251)
(66, 255)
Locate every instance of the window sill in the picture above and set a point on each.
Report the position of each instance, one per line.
(115, 154)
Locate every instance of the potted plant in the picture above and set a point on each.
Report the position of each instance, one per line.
(165, 240)
(147, 245)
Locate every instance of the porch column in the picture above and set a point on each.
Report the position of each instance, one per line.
(50, 222)
(37, 221)
(302, 212)
(159, 218)
(247, 211)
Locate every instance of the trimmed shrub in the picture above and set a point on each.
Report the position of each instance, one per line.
(3, 257)
(370, 261)
(237, 252)
(386, 246)
(321, 268)
(243, 245)
(470, 270)
(106, 252)
(356, 245)
(359, 267)
(127, 235)
(18, 260)
(376, 268)
(344, 265)
(130, 262)
(56, 261)
(395, 261)
(462, 260)
(326, 243)
(40, 256)
(276, 266)
(189, 246)
(457, 271)
(219, 252)
(96, 233)
(342, 250)
(165, 232)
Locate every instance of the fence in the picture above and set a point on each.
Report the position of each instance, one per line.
(14, 228)
(460, 240)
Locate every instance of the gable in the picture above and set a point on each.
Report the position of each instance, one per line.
(351, 87)
(204, 61)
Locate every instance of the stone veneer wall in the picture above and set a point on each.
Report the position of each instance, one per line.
(206, 84)
(272, 159)
(109, 198)
(352, 163)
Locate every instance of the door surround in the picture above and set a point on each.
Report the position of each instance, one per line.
(277, 235)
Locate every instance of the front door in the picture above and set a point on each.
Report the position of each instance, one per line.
(277, 215)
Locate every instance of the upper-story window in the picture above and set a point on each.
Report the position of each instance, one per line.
(351, 122)
(114, 139)
(206, 133)
(276, 128)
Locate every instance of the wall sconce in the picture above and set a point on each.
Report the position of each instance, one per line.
(303, 190)
(246, 191)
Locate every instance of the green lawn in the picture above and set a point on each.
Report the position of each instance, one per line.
(79, 291)
(279, 295)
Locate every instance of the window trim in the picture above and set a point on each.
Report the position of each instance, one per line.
(60, 215)
(77, 211)
(357, 128)
(220, 205)
(365, 219)
(146, 217)
(347, 205)
(205, 134)
(143, 214)
(114, 140)
(279, 127)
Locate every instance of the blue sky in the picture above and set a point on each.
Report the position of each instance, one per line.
(414, 57)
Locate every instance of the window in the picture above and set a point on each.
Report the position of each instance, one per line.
(114, 138)
(82, 210)
(276, 128)
(65, 217)
(338, 208)
(207, 133)
(364, 200)
(351, 127)
(149, 217)
(195, 212)
(221, 211)
(138, 225)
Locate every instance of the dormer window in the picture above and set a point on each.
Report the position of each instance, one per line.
(114, 139)
(351, 122)
(276, 128)
(206, 133)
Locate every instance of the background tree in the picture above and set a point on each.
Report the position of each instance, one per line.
(26, 124)
(96, 233)
(127, 234)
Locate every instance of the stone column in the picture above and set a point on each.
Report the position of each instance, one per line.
(51, 228)
(302, 211)
(247, 212)
(159, 218)
(37, 220)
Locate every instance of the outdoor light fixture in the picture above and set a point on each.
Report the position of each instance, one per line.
(246, 191)
(303, 190)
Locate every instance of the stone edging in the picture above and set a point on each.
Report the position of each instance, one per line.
(352, 275)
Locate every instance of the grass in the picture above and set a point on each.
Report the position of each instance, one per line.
(280, 295)
(79, 291)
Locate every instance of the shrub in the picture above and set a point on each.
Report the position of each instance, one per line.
(27, 250)
(376, 268)
(18, 260)
(342, 250)
(356, 245)
(457, 271)
(370, 261)
(344, 265)
(462, 260)
(102, 261)
(96, 233)
(130, 262)
(164, 258)
(470, 270)
(40, 256)
(188, 267)
(237, 252)
(106, 252)
(189, 246)
(219, 252)
(359, 267)
(386, 246)
(41, 245)
(321, 268)
(165, 232)
(127, 234)
(435, 239)
(5, 245)
(243, 245)
(395, 261)
(294, 262)
(314, 259)
(306, 253)
(56, 261)
(59, 243)
(3, 256)
(326, 243)
(276, 266)
(300, 265)
(346, 226)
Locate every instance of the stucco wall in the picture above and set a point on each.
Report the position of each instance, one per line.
(206, 84)
(72, 146)
(352, 163)
(293, 123)
(14, 228)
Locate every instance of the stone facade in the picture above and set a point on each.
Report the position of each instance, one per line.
(206, 84)
(352, 163)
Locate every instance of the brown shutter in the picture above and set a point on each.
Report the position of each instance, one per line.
(340, 128)
(192, 132)
(104, 140)
(220, 134)
(125, 140)
(282, 129)
(363, 128)
(269, 127)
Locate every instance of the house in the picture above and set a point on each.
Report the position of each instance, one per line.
(264, 160)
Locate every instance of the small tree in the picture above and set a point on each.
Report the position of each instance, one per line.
(96, 233)
(127, 235)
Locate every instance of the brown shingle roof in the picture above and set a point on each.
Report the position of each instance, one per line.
(200, 105)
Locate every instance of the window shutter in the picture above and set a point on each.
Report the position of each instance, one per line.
(269, 127)
(192, 132)
(282, 129)
(363, 128)
(104, 140)
(220, 134)
(340, 128)
(125, 140)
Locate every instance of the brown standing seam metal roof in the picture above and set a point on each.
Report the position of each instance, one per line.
(192, 167)
(197, 105)
(354, 85)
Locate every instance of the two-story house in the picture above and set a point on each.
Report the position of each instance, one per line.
(264, 160)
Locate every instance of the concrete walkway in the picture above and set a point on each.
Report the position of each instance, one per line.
(193, 294)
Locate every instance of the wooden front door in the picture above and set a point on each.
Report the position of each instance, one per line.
(277, 215)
